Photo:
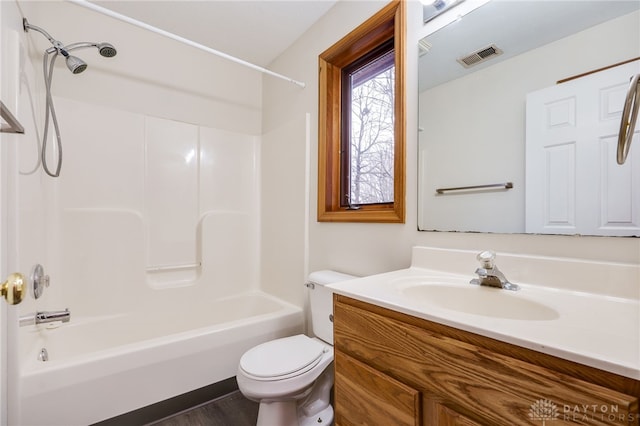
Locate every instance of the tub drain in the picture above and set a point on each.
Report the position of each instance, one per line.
(43, 355)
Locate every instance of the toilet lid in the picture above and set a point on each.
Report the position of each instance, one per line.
(282, 357)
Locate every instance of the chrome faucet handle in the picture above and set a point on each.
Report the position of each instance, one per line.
(38, 281)
(486, 259)
(489, 274)
(488, 278)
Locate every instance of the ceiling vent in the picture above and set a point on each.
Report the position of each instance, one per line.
(480, 56)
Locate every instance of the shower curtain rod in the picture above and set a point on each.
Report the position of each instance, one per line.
(124, 18)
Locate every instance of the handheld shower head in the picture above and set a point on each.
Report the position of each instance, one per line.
(75, 64)
(107, 50)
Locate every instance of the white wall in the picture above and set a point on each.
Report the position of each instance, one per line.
(283, 188)
(372, 248)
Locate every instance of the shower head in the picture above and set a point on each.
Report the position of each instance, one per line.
(75, 64)
(107, 50)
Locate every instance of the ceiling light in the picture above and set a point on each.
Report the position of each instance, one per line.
(433, 8)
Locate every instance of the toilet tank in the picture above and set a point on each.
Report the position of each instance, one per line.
(321, 302)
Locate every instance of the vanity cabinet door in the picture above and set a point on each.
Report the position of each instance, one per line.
(364, 396)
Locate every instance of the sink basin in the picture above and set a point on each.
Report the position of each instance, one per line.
(478, 300)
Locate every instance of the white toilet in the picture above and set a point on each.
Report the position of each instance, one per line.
(292, 377)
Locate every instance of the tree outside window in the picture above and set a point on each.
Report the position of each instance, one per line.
(371, 137)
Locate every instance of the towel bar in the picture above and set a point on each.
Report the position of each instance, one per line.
(506, 185)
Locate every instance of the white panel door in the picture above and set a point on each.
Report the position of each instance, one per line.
(573, 183)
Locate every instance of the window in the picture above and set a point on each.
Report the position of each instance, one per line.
(367, 139)
(361, 123)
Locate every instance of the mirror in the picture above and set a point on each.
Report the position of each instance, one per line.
(476, 122)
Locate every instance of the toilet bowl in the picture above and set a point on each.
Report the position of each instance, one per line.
(292, 377)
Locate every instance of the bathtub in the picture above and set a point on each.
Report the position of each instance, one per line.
(100, 367)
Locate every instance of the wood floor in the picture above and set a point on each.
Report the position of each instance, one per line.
(230, 410)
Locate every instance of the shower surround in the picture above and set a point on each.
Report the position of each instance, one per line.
(154, 249)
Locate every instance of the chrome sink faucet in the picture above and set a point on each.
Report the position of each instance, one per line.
(489, 274)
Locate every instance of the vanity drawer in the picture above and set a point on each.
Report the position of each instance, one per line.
(479, 384)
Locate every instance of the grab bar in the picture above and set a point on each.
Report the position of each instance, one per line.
(628, 120)
(506, 185)
(14, 124)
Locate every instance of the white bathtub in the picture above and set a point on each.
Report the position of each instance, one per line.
(101, 367)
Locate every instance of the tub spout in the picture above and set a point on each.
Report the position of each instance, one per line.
(45, 317)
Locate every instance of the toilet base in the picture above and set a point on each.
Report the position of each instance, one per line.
(284, 413)
(323, 418)
(314, 409)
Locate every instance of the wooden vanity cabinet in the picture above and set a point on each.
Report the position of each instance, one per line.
(396, 369)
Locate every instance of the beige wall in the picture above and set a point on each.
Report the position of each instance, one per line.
(367, 248)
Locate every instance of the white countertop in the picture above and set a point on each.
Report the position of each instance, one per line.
(597, 330)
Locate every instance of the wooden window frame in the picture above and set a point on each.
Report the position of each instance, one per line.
(388, 23)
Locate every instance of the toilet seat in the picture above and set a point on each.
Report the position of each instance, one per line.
(282, 358)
